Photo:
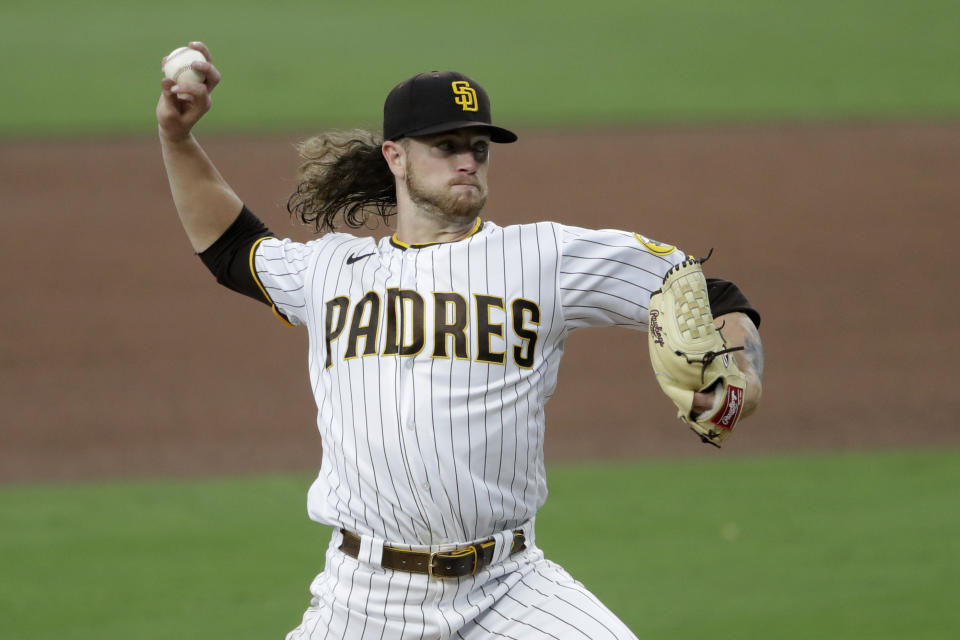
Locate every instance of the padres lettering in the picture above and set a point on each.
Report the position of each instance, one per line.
(466, 96)
(406, 319)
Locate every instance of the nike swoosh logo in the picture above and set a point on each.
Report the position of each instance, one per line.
(354, 257)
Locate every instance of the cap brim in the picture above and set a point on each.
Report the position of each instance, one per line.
(497, 134)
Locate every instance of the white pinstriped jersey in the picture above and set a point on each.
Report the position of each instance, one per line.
(431, 365)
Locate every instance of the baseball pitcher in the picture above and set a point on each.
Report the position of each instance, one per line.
(433, 352)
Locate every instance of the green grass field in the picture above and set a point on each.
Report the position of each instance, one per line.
(806, 546)
(306, 65)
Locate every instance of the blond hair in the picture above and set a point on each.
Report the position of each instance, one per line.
(343, 174)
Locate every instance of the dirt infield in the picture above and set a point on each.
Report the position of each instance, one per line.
(120, 355)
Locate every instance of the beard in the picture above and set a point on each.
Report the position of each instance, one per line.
(445, 202)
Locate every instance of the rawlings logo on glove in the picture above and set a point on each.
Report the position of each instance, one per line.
(656, 333)
(690, 355)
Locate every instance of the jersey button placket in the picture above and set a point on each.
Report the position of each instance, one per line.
(408, 403)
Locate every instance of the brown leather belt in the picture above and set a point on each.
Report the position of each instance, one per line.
(465, 561)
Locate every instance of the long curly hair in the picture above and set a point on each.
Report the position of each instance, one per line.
(343, 174)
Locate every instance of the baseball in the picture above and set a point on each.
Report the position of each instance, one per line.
(176, 66)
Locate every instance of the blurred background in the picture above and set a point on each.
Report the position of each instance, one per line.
(157, 427)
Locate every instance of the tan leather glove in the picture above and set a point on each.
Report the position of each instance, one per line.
(689, 354)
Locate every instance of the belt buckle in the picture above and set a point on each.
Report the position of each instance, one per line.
(456, 554)
(433, 556)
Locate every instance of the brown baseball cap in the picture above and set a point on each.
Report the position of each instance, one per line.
(436, 102)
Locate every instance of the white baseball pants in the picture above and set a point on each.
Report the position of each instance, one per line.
(524, 596)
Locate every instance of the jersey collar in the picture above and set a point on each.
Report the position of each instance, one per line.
(399, 244)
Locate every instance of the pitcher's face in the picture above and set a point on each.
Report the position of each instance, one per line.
(447, 172)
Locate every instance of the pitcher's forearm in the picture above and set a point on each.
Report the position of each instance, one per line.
(739, 331)
(205, 202)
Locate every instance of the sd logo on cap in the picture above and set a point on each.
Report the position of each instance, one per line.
(466, 97)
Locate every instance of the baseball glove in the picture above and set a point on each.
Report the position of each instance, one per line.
(689, 354)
